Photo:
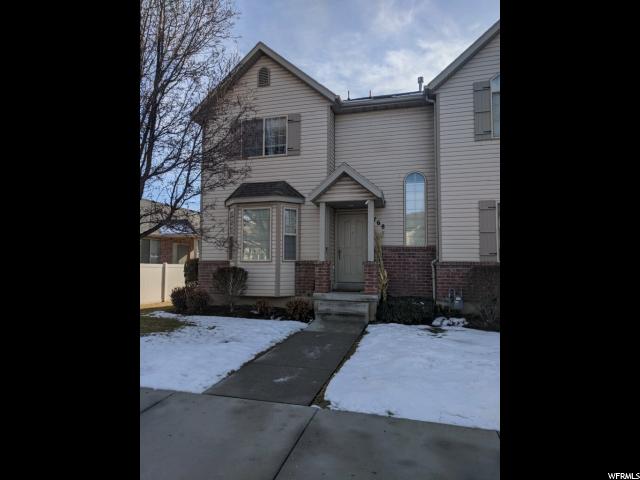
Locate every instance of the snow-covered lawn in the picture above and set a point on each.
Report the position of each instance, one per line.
(193, 358)
(410, 372)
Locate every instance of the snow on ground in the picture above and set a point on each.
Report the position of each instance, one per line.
(193, 358)
(410, 372)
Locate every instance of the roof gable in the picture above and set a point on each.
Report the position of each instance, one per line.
(464, 57)
(250, 59)
(346, 169)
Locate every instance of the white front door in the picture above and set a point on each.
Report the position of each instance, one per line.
(351, 249)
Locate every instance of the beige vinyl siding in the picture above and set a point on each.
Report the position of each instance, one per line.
(287, 94)
(385, 146)
(331, 147)
(345, 189)
(469, 169)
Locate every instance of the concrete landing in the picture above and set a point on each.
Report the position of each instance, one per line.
(292, 372)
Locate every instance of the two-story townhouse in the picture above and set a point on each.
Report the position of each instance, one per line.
(467, 124)
(326, 174)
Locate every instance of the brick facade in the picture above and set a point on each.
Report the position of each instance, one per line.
(371, 278)
(166, 247)
(456, 275)
(205, 273)
(409, 270)
(305, 277)
(323, 277)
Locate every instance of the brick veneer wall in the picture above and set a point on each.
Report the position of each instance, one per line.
(371, 278)
(456, 275)
(305, 277)
(409, 270)
(205, 273)
(323, 277)
(166, 248)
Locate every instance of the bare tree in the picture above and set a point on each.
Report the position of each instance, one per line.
(182, 57)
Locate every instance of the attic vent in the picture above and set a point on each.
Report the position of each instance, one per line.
(264, 77)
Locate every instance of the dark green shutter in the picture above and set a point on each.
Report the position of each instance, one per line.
(293, 134)
(482, 110)
(488, 238)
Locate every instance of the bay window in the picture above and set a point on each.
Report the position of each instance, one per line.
(290, 233)
(256, 234)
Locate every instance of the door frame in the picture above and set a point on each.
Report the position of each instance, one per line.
(348, 286)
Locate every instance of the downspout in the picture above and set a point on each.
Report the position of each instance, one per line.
(436, 127)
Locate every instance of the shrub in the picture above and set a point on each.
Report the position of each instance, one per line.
(179, 299)
(405, 310)
(191, 272)
(230, 282)
(197, 300)
(264, 307)
(485, 292)
(299, 309)
(189, 299)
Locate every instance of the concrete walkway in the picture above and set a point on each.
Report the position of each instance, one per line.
(292, 372)
(256, 424)
(184, 435)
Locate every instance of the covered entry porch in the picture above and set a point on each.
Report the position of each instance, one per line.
(347, 204)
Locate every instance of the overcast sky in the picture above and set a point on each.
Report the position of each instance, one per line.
(362, 45)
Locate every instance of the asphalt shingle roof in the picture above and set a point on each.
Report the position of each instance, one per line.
(265, 189)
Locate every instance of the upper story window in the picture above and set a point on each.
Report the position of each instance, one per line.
(264, 77)
(264, 136)
(415, 222)
(495, 106)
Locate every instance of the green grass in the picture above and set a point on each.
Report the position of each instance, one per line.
(149, 324)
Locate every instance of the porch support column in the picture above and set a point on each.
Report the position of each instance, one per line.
(323, 228)
(370, 215)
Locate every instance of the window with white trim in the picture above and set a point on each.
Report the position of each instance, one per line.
(495, 106)
(256, 234)
(149, 250)
(415, 222)
(290, 234)
(264, 136)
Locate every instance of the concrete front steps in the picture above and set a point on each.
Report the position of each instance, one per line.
(343, 311)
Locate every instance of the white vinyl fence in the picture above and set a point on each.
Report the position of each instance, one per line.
(158, 279)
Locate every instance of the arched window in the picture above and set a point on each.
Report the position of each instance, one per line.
(264, 77)
(415, 221)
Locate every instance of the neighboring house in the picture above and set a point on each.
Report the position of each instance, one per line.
(422, 167)
(173, 243)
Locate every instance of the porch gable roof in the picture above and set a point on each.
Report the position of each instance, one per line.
(346, 169)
